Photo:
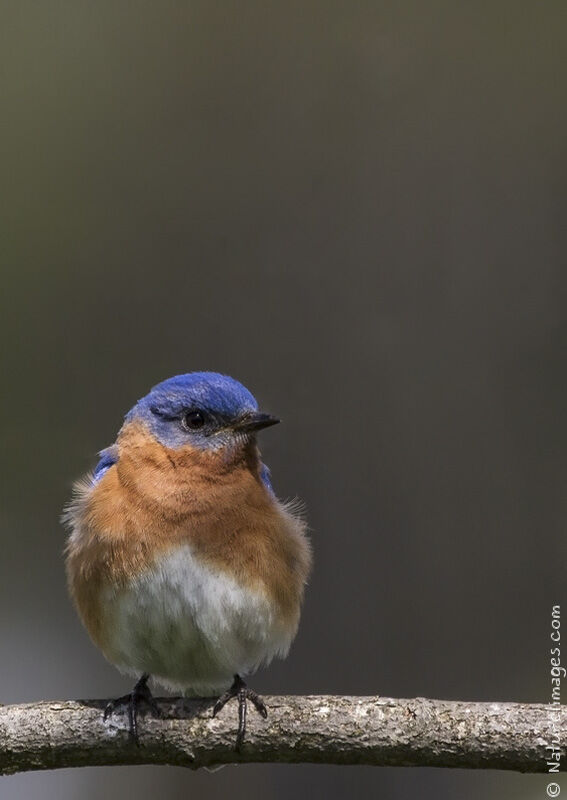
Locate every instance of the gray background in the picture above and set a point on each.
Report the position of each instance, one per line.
(357, 209)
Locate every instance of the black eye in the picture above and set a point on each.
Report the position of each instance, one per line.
(193, 420)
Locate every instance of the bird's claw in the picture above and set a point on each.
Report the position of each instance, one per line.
(131, 701)
(243, 694)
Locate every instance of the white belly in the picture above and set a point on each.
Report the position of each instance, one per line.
(190, 627)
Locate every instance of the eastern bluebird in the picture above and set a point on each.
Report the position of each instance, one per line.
(181, 561)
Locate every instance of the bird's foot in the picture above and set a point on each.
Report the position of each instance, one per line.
(243, 694)
(132, 701)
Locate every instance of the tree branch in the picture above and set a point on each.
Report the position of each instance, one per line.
(317, 729)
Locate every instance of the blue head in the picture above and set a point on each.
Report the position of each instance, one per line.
(202, 409)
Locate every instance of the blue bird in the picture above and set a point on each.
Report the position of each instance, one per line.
(182, 563)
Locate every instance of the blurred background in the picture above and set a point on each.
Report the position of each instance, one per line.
(358, 210)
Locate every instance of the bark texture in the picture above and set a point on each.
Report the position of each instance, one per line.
(317, 729)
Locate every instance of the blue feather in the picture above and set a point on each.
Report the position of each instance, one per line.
(212, 392)
(265, 475)
(108, 457)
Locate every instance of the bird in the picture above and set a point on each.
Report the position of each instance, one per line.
(182, 563)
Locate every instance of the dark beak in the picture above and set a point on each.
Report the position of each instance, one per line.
(254, 422)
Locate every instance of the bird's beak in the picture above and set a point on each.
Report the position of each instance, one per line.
(254, 421)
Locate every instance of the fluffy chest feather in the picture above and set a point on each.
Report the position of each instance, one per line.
(190, 626)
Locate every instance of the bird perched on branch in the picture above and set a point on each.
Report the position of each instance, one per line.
(181, 561)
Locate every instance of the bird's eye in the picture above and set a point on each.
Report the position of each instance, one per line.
(193, 420)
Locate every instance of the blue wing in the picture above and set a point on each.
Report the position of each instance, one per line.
(108, 457)
(265, 476)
